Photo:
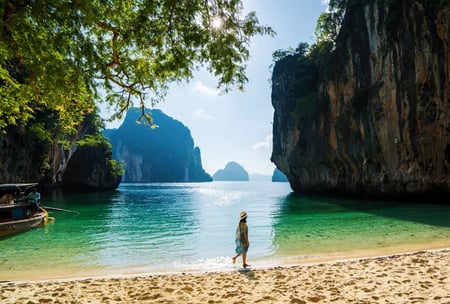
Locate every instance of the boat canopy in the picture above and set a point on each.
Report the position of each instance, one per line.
(17, 186)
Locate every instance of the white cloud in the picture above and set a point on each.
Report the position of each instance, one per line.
(202, 114)
(263, 145)
(203, 89)
(326, 2)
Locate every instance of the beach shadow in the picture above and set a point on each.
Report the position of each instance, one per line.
(248, 273)
(428, 213)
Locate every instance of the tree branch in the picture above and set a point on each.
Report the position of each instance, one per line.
(115, 54)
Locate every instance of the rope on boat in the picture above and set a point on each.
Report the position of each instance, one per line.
(47, 219)
(60, 210)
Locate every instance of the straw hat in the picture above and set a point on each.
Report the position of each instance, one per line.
(243, 215)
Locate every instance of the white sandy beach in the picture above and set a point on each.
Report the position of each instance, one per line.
(420, 277)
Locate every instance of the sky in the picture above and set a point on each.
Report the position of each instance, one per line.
(238, 126)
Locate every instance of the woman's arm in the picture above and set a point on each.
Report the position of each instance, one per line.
(245, 235)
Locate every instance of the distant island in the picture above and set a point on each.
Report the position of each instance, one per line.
(162, 154)
(279, 176)
(232, 172)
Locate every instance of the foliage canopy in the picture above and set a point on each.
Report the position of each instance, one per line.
(311, 63)
(64, 55)
(329, 23)
(326, 32)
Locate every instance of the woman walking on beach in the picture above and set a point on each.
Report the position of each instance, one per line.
(242, 242)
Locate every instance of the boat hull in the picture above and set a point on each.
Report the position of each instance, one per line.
(16, 226)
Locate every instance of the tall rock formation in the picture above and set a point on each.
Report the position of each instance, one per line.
(379, 124)
(27, 154)
(164, 154)
(90, 169)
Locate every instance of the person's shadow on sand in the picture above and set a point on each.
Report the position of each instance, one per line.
(248, 273)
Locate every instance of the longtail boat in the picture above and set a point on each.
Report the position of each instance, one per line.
(17, 214)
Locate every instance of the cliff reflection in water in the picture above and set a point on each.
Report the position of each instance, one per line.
(313, 226)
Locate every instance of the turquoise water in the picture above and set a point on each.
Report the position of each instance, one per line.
(183, 227)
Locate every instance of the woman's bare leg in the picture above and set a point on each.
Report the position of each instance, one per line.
(235, 257)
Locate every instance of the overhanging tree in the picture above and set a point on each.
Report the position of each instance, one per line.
(64, 55)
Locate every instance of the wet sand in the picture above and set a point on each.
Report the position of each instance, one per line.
(420, 277)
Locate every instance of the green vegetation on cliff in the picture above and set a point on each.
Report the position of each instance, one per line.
(100, 141)
(306, 65)
(91, 167)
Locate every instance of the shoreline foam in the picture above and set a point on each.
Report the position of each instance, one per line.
(418, 277)
(54, 273)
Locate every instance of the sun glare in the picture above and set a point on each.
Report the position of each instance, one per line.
(217, 23)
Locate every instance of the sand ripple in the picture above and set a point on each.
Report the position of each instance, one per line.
(421, 277)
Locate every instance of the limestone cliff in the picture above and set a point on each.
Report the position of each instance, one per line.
(379, 122)
(27, 156)
(164, 154)
(90, 169)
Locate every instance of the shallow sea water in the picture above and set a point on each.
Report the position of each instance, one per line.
(153, 228)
